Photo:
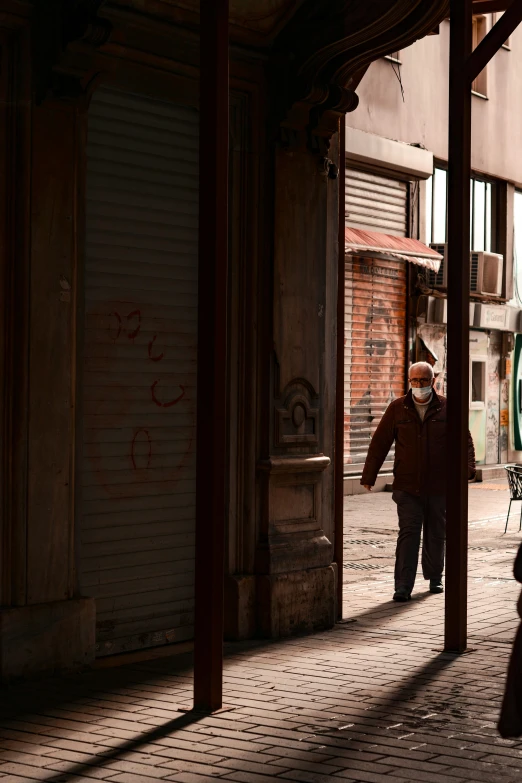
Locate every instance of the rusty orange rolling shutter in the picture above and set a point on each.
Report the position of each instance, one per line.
(375, 348)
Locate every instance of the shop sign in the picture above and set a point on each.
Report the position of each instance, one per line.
(490, 317)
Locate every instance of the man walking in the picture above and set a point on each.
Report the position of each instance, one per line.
(417, 425)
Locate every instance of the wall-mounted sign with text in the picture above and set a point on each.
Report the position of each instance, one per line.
(490, 316)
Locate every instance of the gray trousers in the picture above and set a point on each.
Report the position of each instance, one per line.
(415, 513)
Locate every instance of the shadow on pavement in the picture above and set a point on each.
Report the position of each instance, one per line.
(157, 733)
(389, 607)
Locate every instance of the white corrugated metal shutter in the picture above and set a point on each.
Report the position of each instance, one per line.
(137, 489)
(375, 349)
(376, 203)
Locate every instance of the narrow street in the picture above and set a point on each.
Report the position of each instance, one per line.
(370, 536)
(375, 699)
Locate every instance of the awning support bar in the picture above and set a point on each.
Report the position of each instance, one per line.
(494, 40)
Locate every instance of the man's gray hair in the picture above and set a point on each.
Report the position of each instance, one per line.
(425, 366)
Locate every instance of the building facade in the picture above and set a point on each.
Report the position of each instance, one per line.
(100, 295)
(400, 133)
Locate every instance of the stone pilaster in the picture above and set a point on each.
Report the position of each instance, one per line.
(295, 575)
(296, 579)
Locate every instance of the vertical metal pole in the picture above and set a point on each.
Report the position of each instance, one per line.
(459, 173)
(339, 381)
(212, 356)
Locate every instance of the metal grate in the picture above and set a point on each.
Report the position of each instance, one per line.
(363, 566)
(376, 203)
(438, 279)
(137, 490)
(474, 270)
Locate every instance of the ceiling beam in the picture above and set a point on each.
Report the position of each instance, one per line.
(494, 40)
(490, 6)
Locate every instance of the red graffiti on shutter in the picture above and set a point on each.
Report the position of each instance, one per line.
(118, 317)
(168, 404)
(151, 357)
(133, 448)
(135, 314)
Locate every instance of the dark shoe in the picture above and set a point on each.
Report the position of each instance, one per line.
(436, 586)
(402, 594)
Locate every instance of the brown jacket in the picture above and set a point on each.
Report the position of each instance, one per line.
(420, 447)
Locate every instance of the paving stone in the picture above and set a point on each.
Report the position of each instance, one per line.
(192, 777)
(132, 777)
(371, 777)
(24, 771)
(308, 777)
(98, 773)
(253, 766)
(16, 779)
(373, 701)
(251, 777)
(211, 767)
(162, 755)
(18, 757)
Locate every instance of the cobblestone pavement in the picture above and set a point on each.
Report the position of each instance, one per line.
(373, 700)
(370, 524)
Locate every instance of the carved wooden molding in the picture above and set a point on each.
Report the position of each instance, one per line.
(315, 463)
(15, 14)
(323, 53)
(291, 535)
(55, 24)
(297, 416)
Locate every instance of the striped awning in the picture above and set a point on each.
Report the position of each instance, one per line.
(361, 242)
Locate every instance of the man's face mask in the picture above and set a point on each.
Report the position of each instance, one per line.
(423, 393)
(421, 388)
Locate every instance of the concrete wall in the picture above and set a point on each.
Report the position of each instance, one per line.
(423, 115)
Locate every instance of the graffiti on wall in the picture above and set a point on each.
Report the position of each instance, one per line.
(376, 294)
(493, 399)
(139, 400)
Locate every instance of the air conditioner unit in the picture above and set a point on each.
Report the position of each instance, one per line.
(439, 279)
(439, 312)
(486, 273)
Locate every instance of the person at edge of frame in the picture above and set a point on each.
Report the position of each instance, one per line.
(417, 425)
(510, 721)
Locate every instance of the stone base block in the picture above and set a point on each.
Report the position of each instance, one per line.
(240, 607)
(296, 602)
(45, 638)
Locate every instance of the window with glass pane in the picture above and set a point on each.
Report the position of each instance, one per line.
(481, 211)
(440, 200)
(479, 32)
(478, 214)
(429, 209)
(507, 43)
(487, 227)
(481, 198)
(517, 247)
(478, 383)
